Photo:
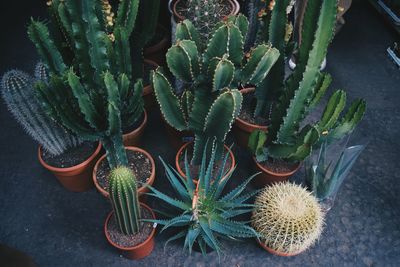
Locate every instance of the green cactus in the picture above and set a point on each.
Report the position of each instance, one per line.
(93, 104)
(211, 101)
(204, 214)
(296, 96)
(124, 199)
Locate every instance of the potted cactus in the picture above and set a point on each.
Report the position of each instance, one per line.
(61, 152)
(119, 54)
(93, 100)
(327, 169)
(211, 101)
(284, 103)
(204, 214)
(124, 227)
(288, 218)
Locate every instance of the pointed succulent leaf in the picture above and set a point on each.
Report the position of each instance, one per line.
(179, 62)
(222, 74)
(332, 111)
(322, 86)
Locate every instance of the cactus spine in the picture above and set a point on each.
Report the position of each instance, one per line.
(124, 199)
(18, 93)
(93, 104)
(303, 89)
(211, 101)
(288, 218)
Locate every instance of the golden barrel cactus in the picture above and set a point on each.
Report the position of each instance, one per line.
(288, 218)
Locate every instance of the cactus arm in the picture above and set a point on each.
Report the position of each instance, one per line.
(203, 99)
(126, 15)
(262, 58)
(222, 74)
(185, 30)
(235, 44)
(242, 23)
(349, 121)
(218, 44)
(186, 103)
(122, 51)
(323, 83)
(332, 111)
(39, 34)
(168, 101)
(301, 148)
(256, 144)
(179, 63)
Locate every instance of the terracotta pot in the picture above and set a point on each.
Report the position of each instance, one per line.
(76, 178)
(142, 190)
(139, 251)
(268, 177)
(242, 129)
(235, 8)
(277, 253)
(177, 138)
(183, 148)
(133, 138)
(156, 53)
(148, 93)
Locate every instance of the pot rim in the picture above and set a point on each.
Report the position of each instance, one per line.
(278, 253)
(278, 174)
(184, 146)
(140, 127)
(151, 236)
(234, 9)
(141, 189)
(68, 169)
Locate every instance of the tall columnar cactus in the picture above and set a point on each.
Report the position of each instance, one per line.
(95, 48)
(288, 218)
(93, 104)
(19, 94)
(302, 91)
(124, 199)
(211, 101)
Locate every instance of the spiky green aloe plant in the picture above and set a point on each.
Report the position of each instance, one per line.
(205, 214)
(93, 102)
(210, 102)
(18, 93)
(124, 199)
(302, 90)
(324, 177)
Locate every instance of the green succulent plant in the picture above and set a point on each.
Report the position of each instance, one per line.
(210, 102)
(204, 213)
(124, 200)
(293, 98)
(93, 99)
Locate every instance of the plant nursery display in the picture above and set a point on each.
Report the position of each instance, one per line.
(282, 103)
(92, 100)
(204, 213)
(211, 100)
(124, 227)
(326, 171)
(288, 218)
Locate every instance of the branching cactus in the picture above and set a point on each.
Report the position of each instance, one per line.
(95, 49)
(211, 102)
(18, 93)
(124, 199)
(93, 104)
(302, 91)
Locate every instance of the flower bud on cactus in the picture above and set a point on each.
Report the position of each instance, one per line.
(124, 199)
(288, 218)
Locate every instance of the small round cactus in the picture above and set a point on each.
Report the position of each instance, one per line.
(124, 199)
(288, 218)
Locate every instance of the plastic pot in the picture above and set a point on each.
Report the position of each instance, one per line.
(134, 137)
(268, 177)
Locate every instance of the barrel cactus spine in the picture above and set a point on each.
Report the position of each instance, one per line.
(124, 200)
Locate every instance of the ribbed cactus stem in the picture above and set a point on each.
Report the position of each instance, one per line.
(19, 94)
(288, 218)
(124, 199)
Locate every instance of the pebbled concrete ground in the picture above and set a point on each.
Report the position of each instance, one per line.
(60, 228)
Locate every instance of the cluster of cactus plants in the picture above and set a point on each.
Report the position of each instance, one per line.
(18, 92)
(211, 101)
(291, 99)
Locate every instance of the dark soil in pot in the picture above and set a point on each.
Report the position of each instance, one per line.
(130, 240)
(138, 163)
(195, 169)
(279, 166)
(71, 157)
(128, 129)
(247, 111)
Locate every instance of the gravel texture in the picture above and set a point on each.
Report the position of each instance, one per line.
(60, 228)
